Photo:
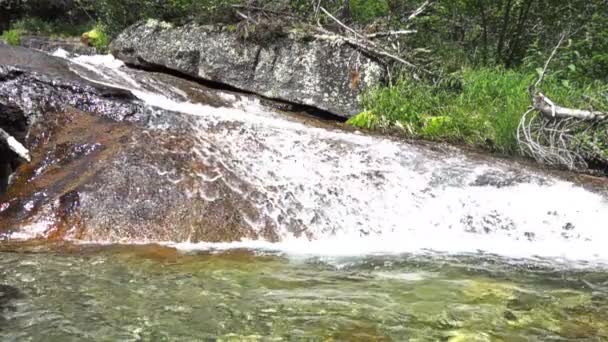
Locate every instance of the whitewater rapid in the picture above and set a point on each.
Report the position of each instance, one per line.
(360, 194)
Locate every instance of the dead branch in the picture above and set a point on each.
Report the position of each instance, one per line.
(542, 74)
(361, 41)
(390, 33)
(419, 10)
(550, 110)
(15, 145)
(330, 36)
(551, 133)
(357, 34)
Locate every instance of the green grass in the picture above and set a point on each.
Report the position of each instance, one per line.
(12, 37)
(480, 107)
(58, 28)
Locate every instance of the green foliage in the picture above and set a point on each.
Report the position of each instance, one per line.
(115, 15)
(12, 37)
(365, 11)
(365, 120)
(479, 107)
(56, 28)
(97, 38)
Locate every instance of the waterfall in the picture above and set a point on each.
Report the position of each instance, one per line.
(357, 193)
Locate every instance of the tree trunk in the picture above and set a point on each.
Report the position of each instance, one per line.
(503, 33)
(345, 11)
(484, 24)
(521, 23)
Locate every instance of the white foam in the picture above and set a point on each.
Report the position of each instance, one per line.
(359, 194)
(61, 53)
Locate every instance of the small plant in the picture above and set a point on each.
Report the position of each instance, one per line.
(97, 38)
(12, 37)
(365, 120)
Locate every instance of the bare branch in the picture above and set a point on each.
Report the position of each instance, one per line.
(550, 110)
(390, 33)
(365, 47)
(419, 10)
(357, 34)
(362, 42)
(542, 75)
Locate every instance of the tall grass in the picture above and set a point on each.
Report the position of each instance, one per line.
(57, 28)
(480, 107)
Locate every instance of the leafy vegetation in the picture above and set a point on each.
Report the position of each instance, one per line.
(12, 37)
(480, 107)
(97, 38)
(54, 28)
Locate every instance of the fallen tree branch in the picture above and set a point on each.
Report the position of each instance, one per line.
(327, 35)
(551, 134)
(15, 145)
(362, 42)
(390, 33)
(357, 34)
(550, 110)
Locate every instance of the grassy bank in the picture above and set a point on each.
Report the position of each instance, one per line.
(476, 107)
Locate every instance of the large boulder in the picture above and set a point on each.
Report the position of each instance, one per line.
(292, 66)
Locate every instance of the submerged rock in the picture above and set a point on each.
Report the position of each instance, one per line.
(290, 67)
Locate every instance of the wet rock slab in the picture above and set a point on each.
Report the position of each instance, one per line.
(96, 179)
(98, 172)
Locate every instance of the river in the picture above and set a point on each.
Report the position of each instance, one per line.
(376, 239)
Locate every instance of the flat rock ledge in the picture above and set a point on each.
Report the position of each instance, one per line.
(289, 66)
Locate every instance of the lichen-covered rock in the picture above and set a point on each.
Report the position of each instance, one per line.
(290, 67)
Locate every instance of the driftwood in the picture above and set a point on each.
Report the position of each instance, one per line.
(15, 145)
(550, 110)
(551, 133)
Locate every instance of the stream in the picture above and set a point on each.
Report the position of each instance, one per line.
(349, 237)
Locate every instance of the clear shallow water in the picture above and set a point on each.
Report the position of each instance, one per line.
(151, 293)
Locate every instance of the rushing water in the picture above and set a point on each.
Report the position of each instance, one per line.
(357, 194)
(404, 242)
